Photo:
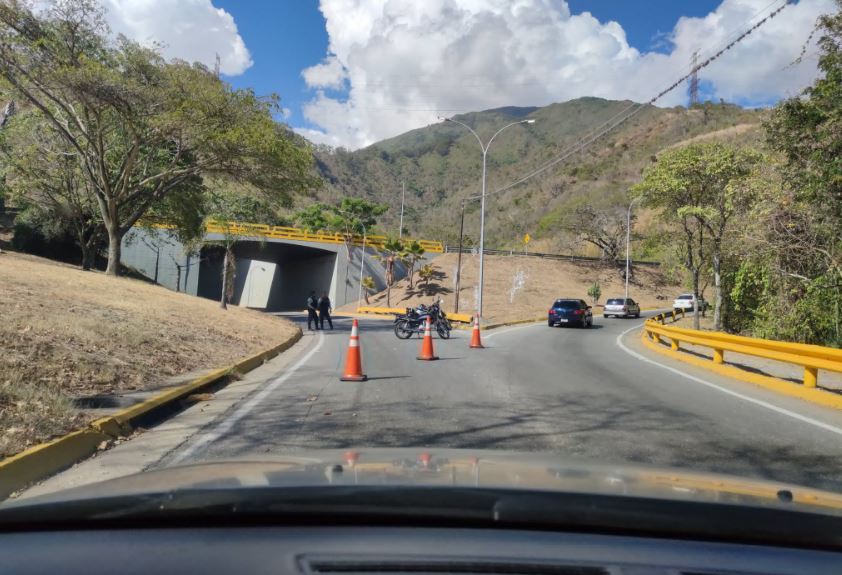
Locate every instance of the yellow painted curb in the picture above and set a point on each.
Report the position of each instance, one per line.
(46, 459)
(49, 458)
(817, 396)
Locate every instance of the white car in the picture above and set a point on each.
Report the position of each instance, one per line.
(621, 307)
(685, 302)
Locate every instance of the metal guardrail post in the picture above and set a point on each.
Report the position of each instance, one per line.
(718, 356)
(674, 344)
(811, 377)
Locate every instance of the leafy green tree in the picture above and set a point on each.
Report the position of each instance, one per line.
(141, 128)
(426, 273)
(412, 253)
(705, 187)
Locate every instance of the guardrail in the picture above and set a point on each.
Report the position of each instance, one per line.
(297, 234)
(560, 257)
(811, 357)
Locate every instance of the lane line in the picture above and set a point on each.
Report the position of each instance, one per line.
(760, 402)
(225, 426)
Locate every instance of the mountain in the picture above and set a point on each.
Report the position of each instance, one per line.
(441, 165)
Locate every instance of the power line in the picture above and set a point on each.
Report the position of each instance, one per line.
(612, 124)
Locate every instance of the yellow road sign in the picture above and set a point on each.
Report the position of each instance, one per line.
(526, 238)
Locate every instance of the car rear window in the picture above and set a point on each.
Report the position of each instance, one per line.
(685, 296)
(615, 302)
(566, 303)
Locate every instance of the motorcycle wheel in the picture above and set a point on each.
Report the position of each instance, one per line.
(402, 329)
(442, 330)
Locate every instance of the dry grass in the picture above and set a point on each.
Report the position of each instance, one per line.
(67, 333)
(544, 281)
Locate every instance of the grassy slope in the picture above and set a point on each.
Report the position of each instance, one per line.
(441, 165)
(544, 281)
(68, 333)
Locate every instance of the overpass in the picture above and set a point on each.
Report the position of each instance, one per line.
(276, 267)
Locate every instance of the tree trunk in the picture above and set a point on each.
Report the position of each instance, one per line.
(388, 295)
(223, 300)
(696, 324)
(115, 240)
(717, 290)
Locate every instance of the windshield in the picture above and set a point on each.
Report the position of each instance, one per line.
(255, 231)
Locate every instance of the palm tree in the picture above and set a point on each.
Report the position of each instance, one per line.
(413, 252)
(391, 252)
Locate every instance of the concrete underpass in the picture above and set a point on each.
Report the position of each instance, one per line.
(270, 274)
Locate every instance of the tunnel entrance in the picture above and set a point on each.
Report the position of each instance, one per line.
(270, 276)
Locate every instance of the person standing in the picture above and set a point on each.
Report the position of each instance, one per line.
(312, 307)
(324, 311)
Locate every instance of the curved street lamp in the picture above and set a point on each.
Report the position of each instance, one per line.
(484, 148)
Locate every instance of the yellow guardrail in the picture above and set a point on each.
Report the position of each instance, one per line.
(811, 357)
(289, 233)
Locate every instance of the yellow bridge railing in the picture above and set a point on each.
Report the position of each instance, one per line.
(297, 234)
(811, 357)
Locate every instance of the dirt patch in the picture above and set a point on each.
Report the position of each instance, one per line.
(518, 287)
(67, 333)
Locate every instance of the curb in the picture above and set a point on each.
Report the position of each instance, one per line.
(817, 396)
(46, 459)
(503, 324)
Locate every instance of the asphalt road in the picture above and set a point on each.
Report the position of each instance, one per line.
(593, 395)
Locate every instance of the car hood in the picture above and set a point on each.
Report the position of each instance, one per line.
(456, 468)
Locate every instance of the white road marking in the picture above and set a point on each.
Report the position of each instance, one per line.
(244, 409)
(760, 402)
(492, 334)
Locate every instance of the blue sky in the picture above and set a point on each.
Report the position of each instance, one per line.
(285, 37)
(353, 73)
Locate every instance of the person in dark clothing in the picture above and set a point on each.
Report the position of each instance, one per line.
(312, 308)
(324, 311)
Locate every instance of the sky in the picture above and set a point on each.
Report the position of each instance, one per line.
(352, 72)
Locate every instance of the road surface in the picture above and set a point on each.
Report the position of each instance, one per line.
(595, 395)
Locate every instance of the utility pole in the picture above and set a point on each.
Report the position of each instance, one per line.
(459, 257)
(403, 197)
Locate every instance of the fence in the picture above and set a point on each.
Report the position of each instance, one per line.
(811, 357)
(560, 257)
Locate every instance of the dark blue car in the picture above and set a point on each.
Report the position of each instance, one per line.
(570, 312)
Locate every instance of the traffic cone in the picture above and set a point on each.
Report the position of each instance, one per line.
(476, 342)
(427, 353)
(353, 362)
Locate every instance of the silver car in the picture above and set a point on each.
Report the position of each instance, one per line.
(621, 307)
(685, 302)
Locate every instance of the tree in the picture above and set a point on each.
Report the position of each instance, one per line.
(704, 186)
(390, 254)
(368, 287)
(426, 273)
(412, 253)
(141, 128)
(595, 292)
(605, 229)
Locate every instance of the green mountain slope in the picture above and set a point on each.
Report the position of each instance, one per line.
(441, 165)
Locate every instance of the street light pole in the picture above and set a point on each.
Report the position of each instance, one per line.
(628, 243)
(484, 148)
(362, 266)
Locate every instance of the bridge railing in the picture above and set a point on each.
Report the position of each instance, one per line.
(811, 357)
(298, 234)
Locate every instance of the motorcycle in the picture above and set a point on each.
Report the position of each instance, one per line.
(415, 320)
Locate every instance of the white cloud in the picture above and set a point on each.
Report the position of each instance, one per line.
(406, 62)
(286, 113)
(193, 30)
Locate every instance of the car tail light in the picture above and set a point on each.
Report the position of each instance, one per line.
(625, 308)
(579, 312)
(551, 311)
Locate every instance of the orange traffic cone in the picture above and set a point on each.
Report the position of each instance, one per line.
(353, 363)
(427, 353)
(476, 342)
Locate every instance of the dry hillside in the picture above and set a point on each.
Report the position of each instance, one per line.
(67, 334)
(542, 282)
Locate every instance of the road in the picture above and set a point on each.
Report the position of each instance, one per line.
(593, 395)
